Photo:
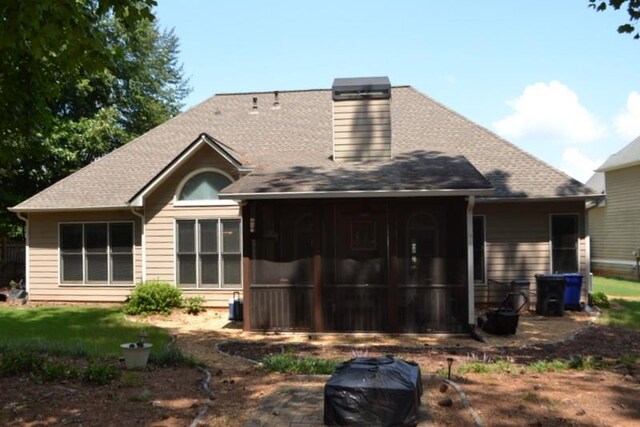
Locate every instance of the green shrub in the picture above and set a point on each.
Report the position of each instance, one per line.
(52, 371)
(154, 297)
(193, 305)
(292, 364)
(99, 374)
(478, 367)
(600, 299)
(20, 362)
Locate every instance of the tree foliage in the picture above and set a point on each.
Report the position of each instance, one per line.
(77, 80)
(632, 7)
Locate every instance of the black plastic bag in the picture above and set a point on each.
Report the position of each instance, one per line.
(374, 392)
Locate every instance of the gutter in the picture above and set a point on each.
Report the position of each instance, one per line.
(354, 193)
(26, 250)
(470, 284)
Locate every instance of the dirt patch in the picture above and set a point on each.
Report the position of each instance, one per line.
(168, 397)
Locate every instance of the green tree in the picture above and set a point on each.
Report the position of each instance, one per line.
(57, 115)
(632, 7)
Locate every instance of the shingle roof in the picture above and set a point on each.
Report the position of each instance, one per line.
(628, 156)
(297, 136)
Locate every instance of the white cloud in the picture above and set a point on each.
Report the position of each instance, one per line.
(549, 113)
(627, 123)
(577, 164)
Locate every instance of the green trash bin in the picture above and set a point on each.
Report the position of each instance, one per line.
(550, 294)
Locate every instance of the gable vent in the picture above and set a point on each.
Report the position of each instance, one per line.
(361, 119)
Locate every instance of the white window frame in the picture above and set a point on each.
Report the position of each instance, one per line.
(83, 253)
(212, 202)
(220, 253)
(578, 246)
(484, 249)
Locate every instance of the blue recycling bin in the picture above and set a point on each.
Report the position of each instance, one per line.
(572, 288)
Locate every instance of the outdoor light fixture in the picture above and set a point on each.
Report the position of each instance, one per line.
(449, 363)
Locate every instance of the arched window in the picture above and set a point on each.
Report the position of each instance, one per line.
(203, 186)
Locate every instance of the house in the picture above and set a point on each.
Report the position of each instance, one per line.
(363, 207)
(614, 223)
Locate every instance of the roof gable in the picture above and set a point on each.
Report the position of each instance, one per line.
(628, 156)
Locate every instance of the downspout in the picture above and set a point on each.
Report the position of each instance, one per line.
(471, 297)
(26, 250)
(142, 242)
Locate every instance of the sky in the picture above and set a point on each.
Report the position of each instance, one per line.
(553, 77)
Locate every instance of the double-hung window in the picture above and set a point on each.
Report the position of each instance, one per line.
(564, 243)
(208, 253)
(96, 253)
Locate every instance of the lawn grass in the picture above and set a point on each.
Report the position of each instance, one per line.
(74, 331)
(623, 313)
(616, 287)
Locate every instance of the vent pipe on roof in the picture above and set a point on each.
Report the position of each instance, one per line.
(276, 101)
(361, 119)
(254, 107)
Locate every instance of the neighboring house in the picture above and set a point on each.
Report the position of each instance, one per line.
(614, 223)
(359, 208)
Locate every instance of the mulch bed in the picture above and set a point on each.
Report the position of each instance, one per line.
(596, 341)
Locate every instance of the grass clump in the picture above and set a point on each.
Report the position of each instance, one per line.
(540, 366)
(173, 356)
(600, 300)
(96, 374)
(193, 305)
(479, 367)
(291, 364)
(154, 297)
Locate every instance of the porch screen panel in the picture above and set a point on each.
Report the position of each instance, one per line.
(283, 245)
(71, 253)
(432, 250)
(282, 267)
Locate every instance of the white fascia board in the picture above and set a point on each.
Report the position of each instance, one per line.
(353, 194)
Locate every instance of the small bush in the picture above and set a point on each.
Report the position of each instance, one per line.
(99, 374)
(292, 364)
(154, 297)
(20, 362)
(57, 372)
(193, 305)
(499, 366)
(600, 299)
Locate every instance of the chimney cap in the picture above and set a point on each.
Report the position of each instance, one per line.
(361, 88)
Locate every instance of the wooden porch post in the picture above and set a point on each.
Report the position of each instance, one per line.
(248, 212)
(470, 285)
(317, 270)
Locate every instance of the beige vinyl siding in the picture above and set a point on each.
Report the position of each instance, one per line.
(362, 129)
(44, 261)
(615, 227)
(518, 243)
(161, 214)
